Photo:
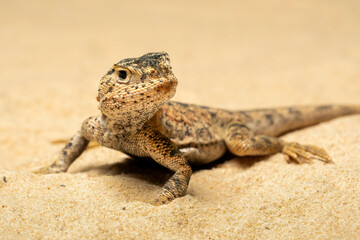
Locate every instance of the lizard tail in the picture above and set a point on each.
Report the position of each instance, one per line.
(277, 121)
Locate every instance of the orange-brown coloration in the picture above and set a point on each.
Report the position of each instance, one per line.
(137, 118)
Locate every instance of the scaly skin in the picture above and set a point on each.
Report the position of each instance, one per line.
(138, 119)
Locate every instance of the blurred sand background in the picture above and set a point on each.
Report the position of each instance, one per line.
(230, 54)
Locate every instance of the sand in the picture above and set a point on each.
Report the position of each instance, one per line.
(230, 54)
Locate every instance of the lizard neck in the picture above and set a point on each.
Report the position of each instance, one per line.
(130, 124)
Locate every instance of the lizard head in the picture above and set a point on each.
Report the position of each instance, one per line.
(137, 87)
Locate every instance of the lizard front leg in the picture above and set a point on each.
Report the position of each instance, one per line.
(166, 153)
(241, 141)
(68, 154)
(73, 148)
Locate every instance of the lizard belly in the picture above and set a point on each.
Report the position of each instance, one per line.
(198, 154)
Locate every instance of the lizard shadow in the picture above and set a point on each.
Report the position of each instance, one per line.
(140, 169)
(233, 160)
(152, 172)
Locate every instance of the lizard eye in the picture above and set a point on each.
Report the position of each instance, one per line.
(123, 74)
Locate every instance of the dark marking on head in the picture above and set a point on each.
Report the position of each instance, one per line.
(5, 180)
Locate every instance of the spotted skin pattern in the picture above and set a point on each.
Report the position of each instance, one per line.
(138, 119)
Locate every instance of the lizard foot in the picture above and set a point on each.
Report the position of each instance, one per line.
(162, 199)
(304, 153)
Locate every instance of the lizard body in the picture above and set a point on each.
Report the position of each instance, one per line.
(138, 119)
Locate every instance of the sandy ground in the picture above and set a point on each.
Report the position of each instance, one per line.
(230, 54)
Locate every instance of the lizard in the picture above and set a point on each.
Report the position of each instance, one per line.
(137, 118)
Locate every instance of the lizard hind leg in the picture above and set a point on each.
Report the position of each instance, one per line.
(241, 141)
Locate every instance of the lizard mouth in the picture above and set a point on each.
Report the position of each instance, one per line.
(121, 100)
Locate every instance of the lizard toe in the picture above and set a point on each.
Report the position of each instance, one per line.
(305, 153)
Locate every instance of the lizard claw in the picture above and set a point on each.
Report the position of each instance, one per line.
(304, 153)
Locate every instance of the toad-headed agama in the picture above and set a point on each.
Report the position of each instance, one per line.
(138, 119)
